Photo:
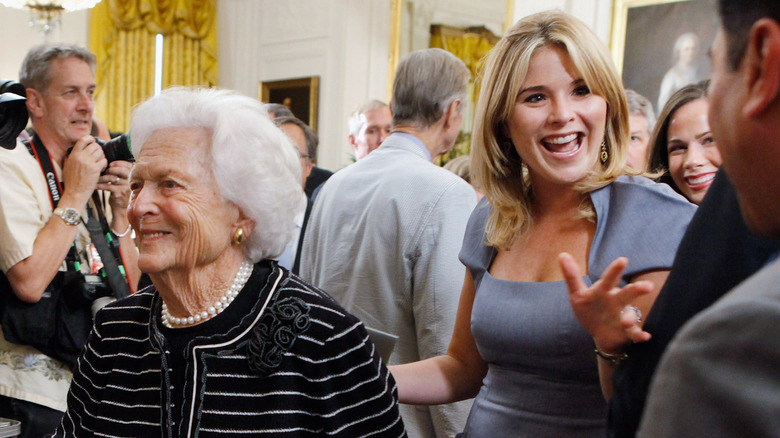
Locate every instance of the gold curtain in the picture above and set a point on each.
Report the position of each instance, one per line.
(470, 45)
(122, 35)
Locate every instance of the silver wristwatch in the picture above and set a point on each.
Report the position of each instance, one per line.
(71, 216)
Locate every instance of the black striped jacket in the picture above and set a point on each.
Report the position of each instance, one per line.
(298, 365)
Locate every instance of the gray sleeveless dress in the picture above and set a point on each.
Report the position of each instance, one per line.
(542, 378)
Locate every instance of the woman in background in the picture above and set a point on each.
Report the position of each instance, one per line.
(682, 146)
(549, 150)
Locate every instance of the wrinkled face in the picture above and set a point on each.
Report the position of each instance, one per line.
(693, 155)
(557, 124)
(65, 107)
(375, 129)
(637, 145)
(298, 138)
(180, 219)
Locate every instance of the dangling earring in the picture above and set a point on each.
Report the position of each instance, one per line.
(238, 236)
(604, 153)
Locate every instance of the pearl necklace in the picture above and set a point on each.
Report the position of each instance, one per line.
(238, 283)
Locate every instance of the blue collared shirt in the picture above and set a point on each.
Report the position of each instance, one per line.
(417, 143)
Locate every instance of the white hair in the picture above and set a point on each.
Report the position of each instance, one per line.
(682, 39)
(357, 120)
(253, 162)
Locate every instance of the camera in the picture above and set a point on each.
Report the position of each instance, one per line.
(117, 149)
(86, 290)
(96, 291)
(13, 112)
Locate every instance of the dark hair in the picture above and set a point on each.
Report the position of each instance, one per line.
(737, 18)
(311, 138)
(658, 151)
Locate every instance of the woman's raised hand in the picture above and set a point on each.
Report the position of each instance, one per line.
(605, 309)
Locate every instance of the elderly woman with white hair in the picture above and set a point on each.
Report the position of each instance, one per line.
(224, 342)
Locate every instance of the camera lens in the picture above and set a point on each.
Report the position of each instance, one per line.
(117, 149)
(13, 112)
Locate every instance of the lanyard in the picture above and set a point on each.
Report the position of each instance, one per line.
(44, 160)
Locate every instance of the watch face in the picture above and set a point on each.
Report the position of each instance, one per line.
(69, 215)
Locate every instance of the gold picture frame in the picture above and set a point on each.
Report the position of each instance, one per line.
(657, 30)
(300, 95)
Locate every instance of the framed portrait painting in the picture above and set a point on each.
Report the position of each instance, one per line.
(661, 45)
(300, 95)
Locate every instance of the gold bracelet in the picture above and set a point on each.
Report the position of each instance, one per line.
(614, 359)
(127, 231)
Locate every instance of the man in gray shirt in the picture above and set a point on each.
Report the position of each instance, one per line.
(385, 232)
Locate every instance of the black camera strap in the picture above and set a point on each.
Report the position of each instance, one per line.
(108, 249)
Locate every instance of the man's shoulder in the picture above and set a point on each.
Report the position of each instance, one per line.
(761, 290)
(396, 167)
(403, 164)
(755, 299)
(17, 156)
(19, 165)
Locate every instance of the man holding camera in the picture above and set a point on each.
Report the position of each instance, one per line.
(48, 199)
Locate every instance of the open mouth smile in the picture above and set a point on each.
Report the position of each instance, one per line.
(152, 235)
(563, 146)
(699, 181)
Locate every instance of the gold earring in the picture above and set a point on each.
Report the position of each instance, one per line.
(238, 236)
(604, 153)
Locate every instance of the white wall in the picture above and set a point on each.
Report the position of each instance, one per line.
(18, 37)
(595, 13)
(344, 42)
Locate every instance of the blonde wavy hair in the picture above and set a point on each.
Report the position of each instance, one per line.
(496, 166)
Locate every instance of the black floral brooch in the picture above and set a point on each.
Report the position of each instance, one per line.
(275, 334)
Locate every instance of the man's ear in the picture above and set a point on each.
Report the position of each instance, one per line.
(762, 64)
(352, 141)
(34, 102)
(453, 114)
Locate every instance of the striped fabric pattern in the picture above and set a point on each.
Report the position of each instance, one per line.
(330, 382)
